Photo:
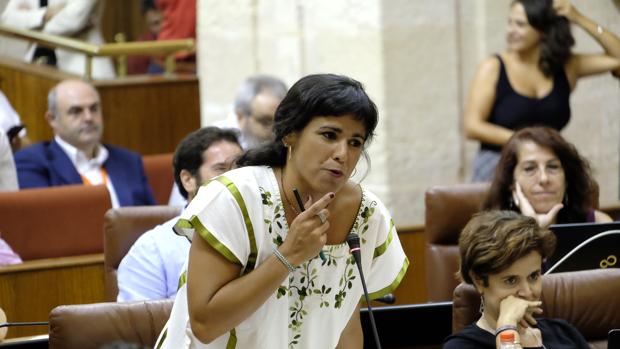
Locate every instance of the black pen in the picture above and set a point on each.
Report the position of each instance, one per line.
(302, 208)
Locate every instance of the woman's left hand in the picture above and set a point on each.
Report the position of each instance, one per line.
(526, 208)
(565, 8)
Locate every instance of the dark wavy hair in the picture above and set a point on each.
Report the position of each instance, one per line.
(188, 154)
(557, 39)
(580, 186)
(312, 96)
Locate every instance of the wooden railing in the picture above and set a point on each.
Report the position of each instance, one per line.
(120, 50)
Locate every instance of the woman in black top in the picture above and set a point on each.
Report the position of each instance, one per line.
(530, 83)
(501, 255)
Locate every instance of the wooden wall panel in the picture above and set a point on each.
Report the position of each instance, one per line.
(26, 86)
(147, 114)
(413, 287)
(29, 291)
(121, 16)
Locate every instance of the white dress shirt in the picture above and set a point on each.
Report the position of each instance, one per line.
(91, 169)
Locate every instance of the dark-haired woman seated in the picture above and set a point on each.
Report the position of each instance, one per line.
(501, 255)
(543, 176)
(531, 82)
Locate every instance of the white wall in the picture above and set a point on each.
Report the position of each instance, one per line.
(416, 59)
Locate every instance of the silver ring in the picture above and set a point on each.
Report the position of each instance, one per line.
(322, 217)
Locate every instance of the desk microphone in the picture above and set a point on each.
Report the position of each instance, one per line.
(353, 240)
(17, 324)
(387, 299)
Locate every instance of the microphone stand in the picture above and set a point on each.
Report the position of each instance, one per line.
(353, 240)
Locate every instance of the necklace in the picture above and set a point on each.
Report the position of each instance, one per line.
(284, 192)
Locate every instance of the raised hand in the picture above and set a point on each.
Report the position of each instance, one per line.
(526, 208)
(520, 312)
(308, 231)
(565, 8)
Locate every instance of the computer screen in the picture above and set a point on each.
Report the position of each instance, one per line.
(583, 246)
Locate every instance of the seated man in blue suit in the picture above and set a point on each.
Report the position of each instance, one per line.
(76, 155)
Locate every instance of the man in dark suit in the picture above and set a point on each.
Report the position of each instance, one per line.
(76, 155)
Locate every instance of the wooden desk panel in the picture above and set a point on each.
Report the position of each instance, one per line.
(412, 289)
(29, 291)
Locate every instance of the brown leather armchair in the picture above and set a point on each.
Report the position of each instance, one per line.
(587, 299)
(158, 169)
(87, 326)
(54, 222)
(448, 209)
(122, 227)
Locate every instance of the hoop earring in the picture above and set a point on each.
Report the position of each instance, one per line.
(481, 309)
(289, 150)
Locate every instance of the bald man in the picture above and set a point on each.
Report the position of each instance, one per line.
(76, 155)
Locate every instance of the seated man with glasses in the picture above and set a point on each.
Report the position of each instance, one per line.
(255, 105)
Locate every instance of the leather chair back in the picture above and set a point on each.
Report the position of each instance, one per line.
(588, 299)
(86, 326)
(159, 173)
(447, 210)
(122, 227)
(54, 222)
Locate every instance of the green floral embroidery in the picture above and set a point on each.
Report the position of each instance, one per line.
(276, 224)
(302, 283)
(345, 282)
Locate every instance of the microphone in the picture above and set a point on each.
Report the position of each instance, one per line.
(5, 325)
(353, 240)
(387, 299)
(17, 324)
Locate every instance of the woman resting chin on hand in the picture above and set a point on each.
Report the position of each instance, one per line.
(501, 256)
(543, 176)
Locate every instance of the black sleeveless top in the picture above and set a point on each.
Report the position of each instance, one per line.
(514, 111)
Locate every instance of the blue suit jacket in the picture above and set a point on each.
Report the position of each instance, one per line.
(45, 164)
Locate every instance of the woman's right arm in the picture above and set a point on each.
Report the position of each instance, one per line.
(219, 299)
(479, 104)
(582, 65)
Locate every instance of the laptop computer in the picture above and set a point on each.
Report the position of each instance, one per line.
(613, 339)
(583, 246)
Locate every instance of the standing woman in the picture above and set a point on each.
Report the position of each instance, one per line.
(254, 278)
(530, 83)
